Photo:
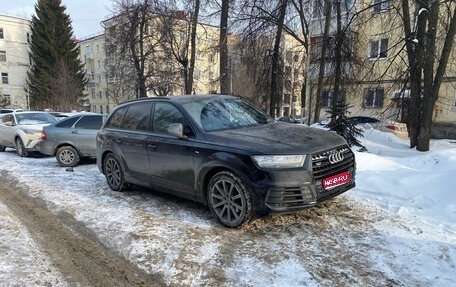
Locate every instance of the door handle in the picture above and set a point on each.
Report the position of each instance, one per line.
(74, 132)
(118, 141)
(152, 146)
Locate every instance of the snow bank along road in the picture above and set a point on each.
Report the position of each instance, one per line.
(80, 233)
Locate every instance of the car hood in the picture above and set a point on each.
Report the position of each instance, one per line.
(278, 138)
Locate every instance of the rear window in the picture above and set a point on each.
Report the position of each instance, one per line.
(89, 122)
(137, 117)
(115, 120)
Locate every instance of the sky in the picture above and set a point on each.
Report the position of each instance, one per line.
(397, 227)
(86, 15)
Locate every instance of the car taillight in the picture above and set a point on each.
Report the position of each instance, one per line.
(43, 135)
(394, 128)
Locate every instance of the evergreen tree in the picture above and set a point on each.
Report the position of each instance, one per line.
(56, 78)
(341, 125)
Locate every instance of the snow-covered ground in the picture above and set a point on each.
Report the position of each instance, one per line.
(396, 228)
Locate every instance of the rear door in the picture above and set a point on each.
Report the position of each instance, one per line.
(83, 134)
(129, 128)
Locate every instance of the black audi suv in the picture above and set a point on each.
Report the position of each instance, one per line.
(222, 152)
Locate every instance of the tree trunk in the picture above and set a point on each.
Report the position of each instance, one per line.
(224, 80)
(274, 101)
(321, 72)
(189, 77)
(338, 60)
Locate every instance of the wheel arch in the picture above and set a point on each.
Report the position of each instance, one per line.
(212, 170)
(66, 144)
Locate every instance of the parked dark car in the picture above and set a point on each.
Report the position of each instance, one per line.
(72, 138)
(290, 120)
(222, 152)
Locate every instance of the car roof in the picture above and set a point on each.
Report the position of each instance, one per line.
(183, 98)
(29, 112)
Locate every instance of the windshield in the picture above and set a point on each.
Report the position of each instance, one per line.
(224, 114)
(34, 118)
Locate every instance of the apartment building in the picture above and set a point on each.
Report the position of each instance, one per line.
(93, 56)
(14, 61)
(373, 62)
(294, 59)
(111, 78)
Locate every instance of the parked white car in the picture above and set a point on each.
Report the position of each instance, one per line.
(390, 126)
(22, 130)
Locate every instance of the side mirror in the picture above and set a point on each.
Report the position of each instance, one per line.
(177, 129)
(9, 124)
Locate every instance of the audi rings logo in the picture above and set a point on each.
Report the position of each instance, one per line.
(335, 157)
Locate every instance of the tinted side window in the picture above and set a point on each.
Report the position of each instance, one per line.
(137, 117)
(89, 122)
(166, 114)
(67, 123)
(115, 120)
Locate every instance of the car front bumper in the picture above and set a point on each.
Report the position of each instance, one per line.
(288, 191)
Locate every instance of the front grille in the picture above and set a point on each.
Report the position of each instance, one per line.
(322, 167)
(283, 199)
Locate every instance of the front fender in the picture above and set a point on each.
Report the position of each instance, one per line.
(207, 166)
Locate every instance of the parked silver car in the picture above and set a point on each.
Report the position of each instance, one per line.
(22, 130)
(72, 138)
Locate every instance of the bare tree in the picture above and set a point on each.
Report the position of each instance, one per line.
(63, 85)
(427, 64)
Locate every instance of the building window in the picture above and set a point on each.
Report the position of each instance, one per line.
(296, 58)
(101, 109)
(99, 94)
(2, 56)
(319, 9)
(373, 98)
(378, 48)
(380, 5)
(1, 33)
(326, 99)
(4, 78)
(107, 109)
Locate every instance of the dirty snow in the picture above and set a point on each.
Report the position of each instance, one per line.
(396, 228)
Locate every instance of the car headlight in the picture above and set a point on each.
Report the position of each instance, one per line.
(279, 161)
(30, 131)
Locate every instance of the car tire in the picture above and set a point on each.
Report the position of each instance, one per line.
(229, 200)
(114, 173)
(67, 156)
(20, 148)
(2, 148)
